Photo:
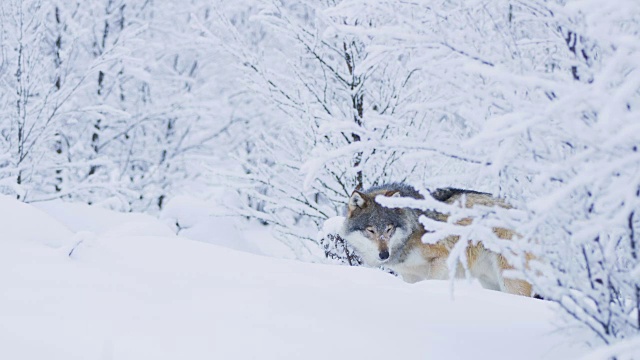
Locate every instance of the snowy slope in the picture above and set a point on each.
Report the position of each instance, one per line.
(124, 296)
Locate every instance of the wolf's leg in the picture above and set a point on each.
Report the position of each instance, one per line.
(517, 287)
(511, 286)
(488, 284)
(438, 268)
(410, 278)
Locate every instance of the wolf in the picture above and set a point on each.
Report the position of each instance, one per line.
(392, 237)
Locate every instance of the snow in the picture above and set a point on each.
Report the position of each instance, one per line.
(18, 223)
(623, 350)
(206, 221)
(332, 225)
(80, 217)
(197, 219)
(129, 295)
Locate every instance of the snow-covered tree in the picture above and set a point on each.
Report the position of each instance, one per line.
(548, 96)
(38, 85)
(327, 93)
(110, 101)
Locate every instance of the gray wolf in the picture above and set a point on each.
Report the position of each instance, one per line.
(392, 237)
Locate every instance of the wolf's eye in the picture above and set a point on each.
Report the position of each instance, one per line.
(389, 228)
(370, 231)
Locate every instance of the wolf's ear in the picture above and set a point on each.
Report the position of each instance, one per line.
(393, 193)
(357, 200)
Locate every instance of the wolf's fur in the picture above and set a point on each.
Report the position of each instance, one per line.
(392, 237)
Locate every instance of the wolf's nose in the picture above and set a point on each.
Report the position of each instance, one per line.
(384, 255)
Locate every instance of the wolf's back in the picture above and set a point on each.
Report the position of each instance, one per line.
(451, 195)
(405, 190)
(447, 195)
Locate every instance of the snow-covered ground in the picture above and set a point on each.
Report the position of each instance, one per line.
(78, 282)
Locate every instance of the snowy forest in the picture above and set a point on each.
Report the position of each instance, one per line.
(288, 106)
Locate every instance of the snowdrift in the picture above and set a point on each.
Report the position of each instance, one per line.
(129, 295)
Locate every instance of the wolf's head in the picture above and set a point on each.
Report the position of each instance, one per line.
(378, 233)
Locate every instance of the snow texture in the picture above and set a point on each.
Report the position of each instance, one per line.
(149, 294)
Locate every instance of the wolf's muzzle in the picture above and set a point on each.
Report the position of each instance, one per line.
(384, 254)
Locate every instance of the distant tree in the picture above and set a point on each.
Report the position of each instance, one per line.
(106, 102)
(38, 85)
